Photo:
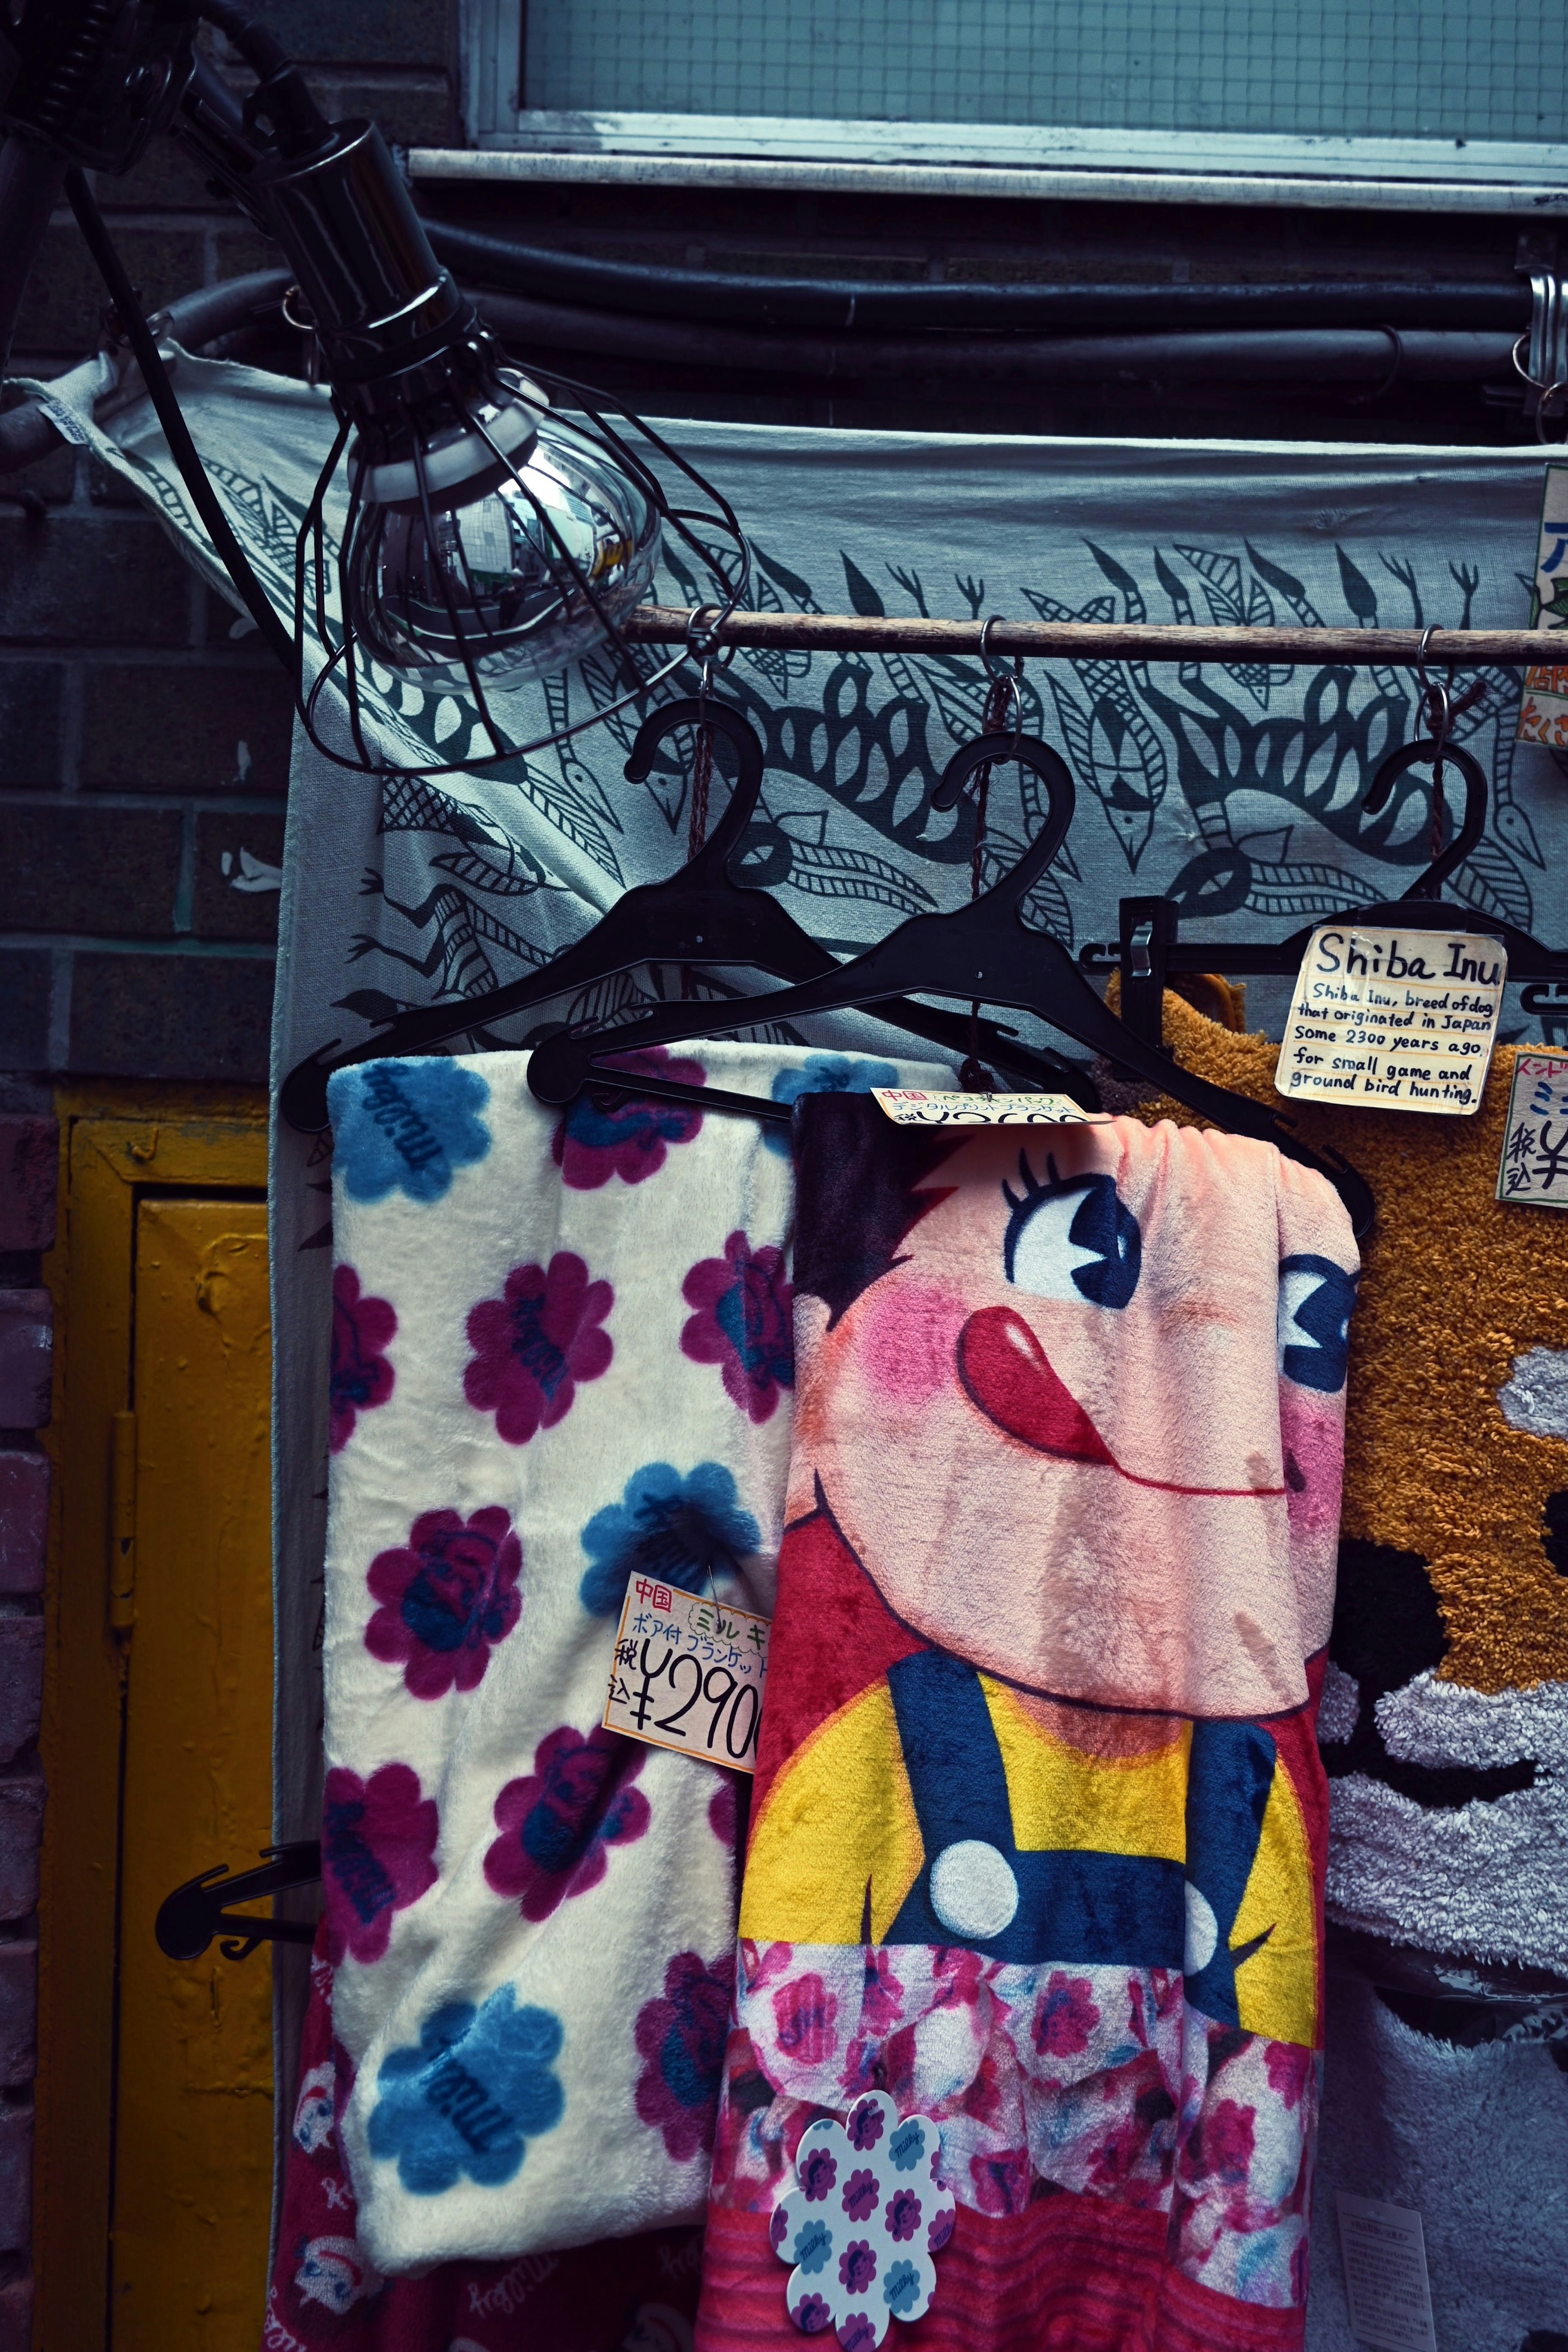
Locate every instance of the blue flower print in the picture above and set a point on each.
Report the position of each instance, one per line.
(813, 2245)
(824, 1074)
(406, 1126)
(902, 2288)
(469, 2098)
(680, 1530)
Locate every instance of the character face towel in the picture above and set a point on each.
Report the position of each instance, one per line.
(1038, 1833)
(562, 1358)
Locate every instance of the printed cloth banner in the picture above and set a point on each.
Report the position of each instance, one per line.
(326, 2296)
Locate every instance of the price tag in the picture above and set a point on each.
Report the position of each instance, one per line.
(1544, 711)
(688, 1674)
(1385, 2283)
(1394, 1020)
(913, 1107)
(1533, 1172)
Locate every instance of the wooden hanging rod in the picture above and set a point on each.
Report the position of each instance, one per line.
(846, 632)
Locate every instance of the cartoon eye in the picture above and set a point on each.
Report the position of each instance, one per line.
(1070, 1237)
(1316, 1298)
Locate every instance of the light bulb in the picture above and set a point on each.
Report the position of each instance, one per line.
(487, 573)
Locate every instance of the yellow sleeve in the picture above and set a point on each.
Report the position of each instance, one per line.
(839, 1821)
(1277, 1986)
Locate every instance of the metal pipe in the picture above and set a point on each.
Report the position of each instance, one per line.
(1356, 355)
(852, 305)
(825, 633)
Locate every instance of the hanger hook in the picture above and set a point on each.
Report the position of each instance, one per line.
(1012, 678)
(1437, 699)
(702, 637)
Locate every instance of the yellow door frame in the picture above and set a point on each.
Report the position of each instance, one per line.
(116, 1144)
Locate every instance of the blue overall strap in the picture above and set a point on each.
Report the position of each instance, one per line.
(950, 1753)
(1071, 1906)
(1230, 1775)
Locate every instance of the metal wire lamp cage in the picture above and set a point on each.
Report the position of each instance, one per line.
(498, 526)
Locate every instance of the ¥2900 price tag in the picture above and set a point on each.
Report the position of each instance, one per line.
(688, 1674)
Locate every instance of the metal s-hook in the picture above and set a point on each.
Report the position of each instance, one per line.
(1436, 701)
(1011, 679)
(1439, 708)
(703, 644)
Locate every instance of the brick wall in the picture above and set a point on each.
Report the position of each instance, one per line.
(144, 743)
(29, 1150)
(144, 740)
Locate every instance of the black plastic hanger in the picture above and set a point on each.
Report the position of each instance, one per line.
(696, 916)
(984, 949)
(188, 1919)
(1150, 949)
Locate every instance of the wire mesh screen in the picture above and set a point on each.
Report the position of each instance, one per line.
(1361, 69)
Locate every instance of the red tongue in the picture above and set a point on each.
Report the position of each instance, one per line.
(1008, 1374)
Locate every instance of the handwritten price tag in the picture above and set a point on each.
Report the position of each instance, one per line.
(1534, 1169)
(914, 1107)
(688, 1674)
(1394, 1020)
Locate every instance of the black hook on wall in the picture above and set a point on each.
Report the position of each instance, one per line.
(190, 1918)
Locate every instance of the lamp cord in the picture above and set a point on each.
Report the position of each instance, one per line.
(181, 449)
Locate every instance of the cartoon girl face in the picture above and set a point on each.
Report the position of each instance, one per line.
(1051, 1432)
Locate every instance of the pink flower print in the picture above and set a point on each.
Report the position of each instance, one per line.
(817, 2175)
(1117, 2156)
(1001, 2182)
(882, 2004)
(985, 2098)
(1300, 2261)
(857, 2333)
(722, 1816)
(904, 2211)
(860, 2196)
(812, 2315)
(1221, 2148)
(940, 2228)
(447, 1597)
(625, 1136)
(759, 1967)
(899, 2059)
(361, 1376)
(533, 1344)
(1065, 2016)
(857, 2264)
(743, 1323)
(378, 1841)
(1289, 2069)
(681, 2040)
(957, 1977)
(556, 1824)
(804, 2014)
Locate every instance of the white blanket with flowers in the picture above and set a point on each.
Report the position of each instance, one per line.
(562, 1355)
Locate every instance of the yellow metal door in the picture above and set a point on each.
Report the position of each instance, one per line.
(192, 2111)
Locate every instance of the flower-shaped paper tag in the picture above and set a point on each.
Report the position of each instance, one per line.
(863, 2222)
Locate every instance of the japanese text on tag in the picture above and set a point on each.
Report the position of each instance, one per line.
(919, 1107)
(688, 1674)
(1534, 1168)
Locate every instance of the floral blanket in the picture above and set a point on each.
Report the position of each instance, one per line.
(562, 1356)
(638, 2295)
(1039, 1828)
